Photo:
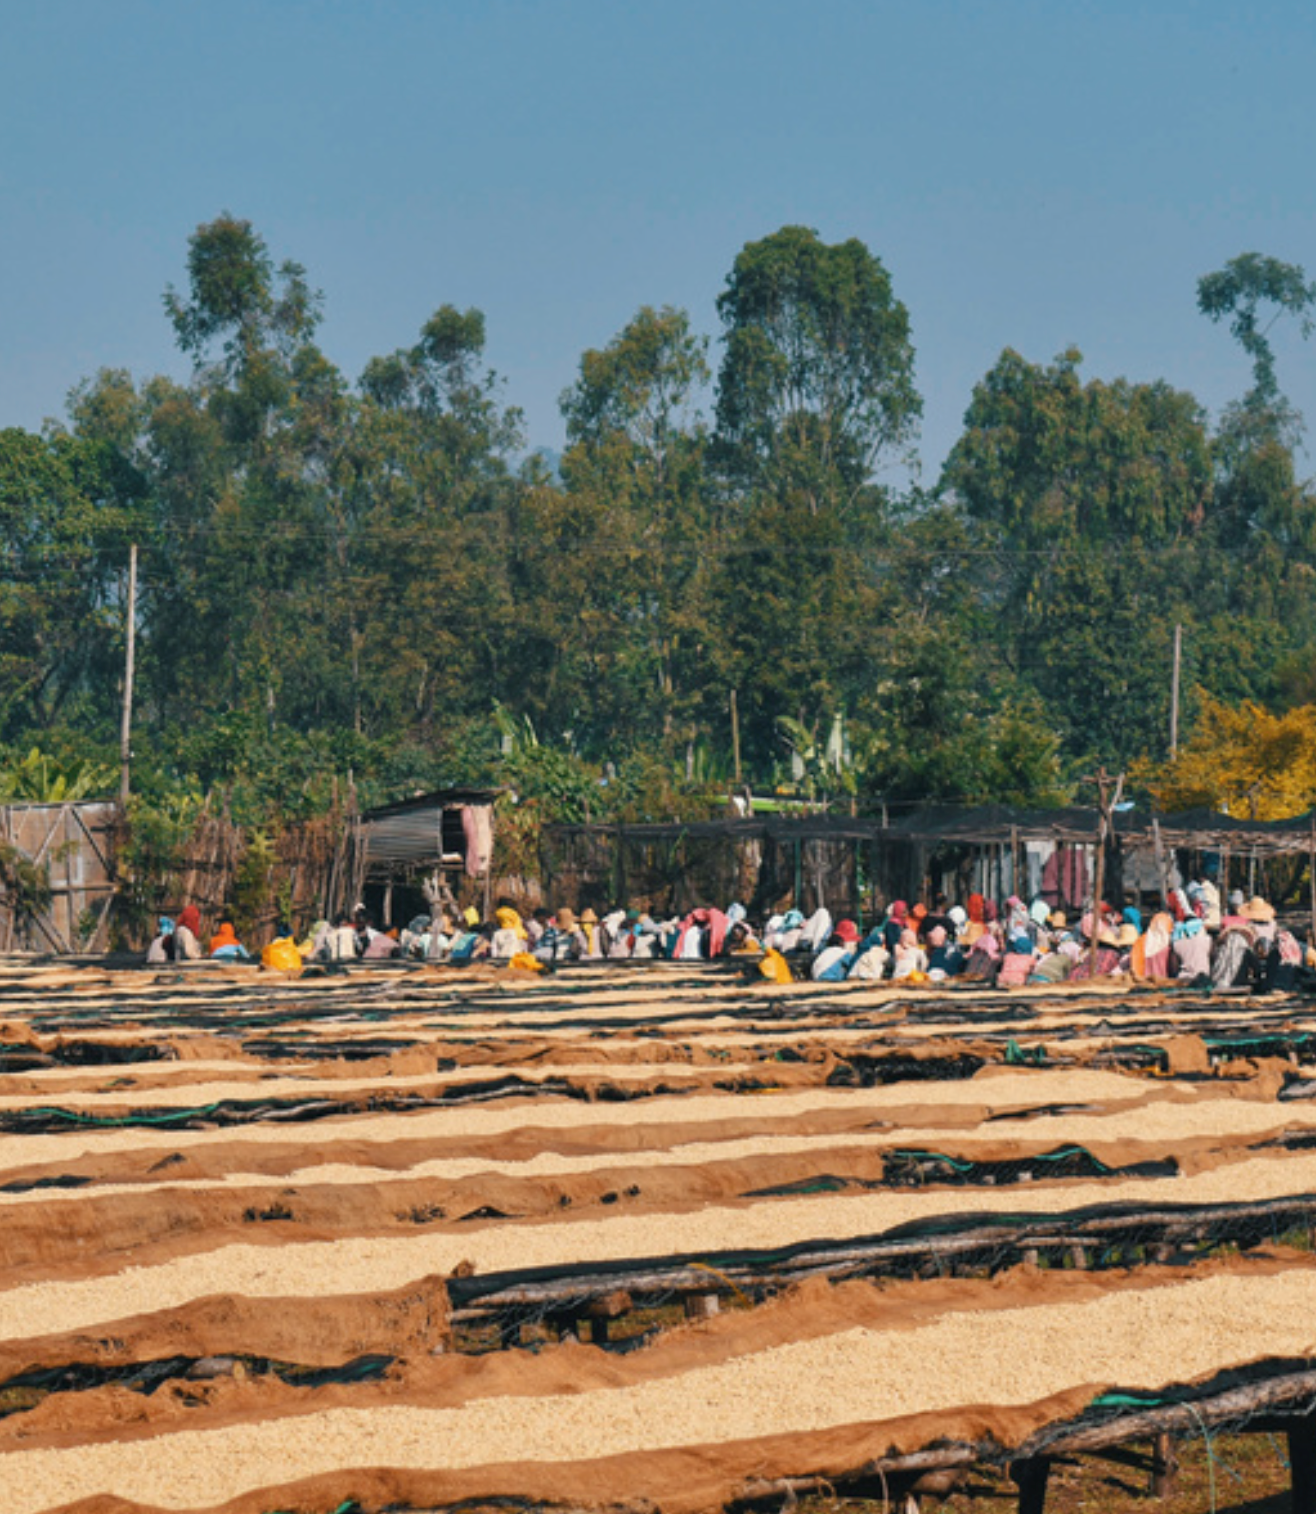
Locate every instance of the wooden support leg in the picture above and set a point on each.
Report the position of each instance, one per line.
(1302, 1460)
(1165, 1467)
(1031, 1477)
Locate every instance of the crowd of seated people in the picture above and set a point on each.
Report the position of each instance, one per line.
(1192, 937)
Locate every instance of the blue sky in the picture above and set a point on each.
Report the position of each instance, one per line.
(1032, 174)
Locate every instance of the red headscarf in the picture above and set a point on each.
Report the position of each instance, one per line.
(190, 918)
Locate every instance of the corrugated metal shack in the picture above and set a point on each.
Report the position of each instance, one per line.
(437, 845)
(856, 866)
(72, 845)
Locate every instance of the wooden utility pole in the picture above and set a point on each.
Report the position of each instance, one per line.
(1106, 803)
(1174, 693)
(125, 729)
(735, 737)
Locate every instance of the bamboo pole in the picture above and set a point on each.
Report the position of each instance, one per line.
(125, 728)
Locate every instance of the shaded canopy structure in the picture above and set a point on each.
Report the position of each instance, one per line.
(855, 864)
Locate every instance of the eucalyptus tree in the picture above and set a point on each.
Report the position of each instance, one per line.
(816, 386)
(628, 531)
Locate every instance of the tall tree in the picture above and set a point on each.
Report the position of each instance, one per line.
(817, 382)
(635, 491)
(1242, 292)
(63, 543)
(1100, 494)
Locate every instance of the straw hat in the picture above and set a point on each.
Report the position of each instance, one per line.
(589, 918)
(1057, 920)
(1258, 910)
(1126, 935)
(566, 919)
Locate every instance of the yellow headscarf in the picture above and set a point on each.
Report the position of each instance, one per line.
(508, 919)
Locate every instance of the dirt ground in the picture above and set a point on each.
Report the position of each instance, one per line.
(1242, 1474)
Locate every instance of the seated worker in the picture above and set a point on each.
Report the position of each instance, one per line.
(225, 946)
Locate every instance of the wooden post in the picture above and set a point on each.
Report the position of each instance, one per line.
(1105, 808)
(1161, 870)
(1174, 693)
(1098, 884)
(1164, 1467)
(125, 727)
(1302, 1460)
(1031, 1477)
(735, 737)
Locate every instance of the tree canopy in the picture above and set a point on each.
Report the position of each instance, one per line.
(367, 582)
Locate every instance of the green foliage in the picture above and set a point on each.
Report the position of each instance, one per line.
(818, 377)
(1238, 292)
(253, 895)
(557, 782)
(38, 778)
(355, 590)
(24, 884)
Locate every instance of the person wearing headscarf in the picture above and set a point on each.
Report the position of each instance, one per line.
(618, 938)
(741, 941)
(872, 958)
(508, 917)
(977, 912)
(162, 946)
(897, 919)
(589, 929)
(1053, 966)
(909, 958)
(510, 936)
(225, 946)
(1038, 928)
(786, 935)
(412, 934)
(945, 959)
(646, 938)
(1190, 951)
(1234, 913)
(281, 953)
(817, 930)
(702, 934)
(1282, 964)
(984, 962)
(832, 963)
(1234, 963)
(187, 946)
(1207, 904)
(1150, 956)
(1020, 959)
